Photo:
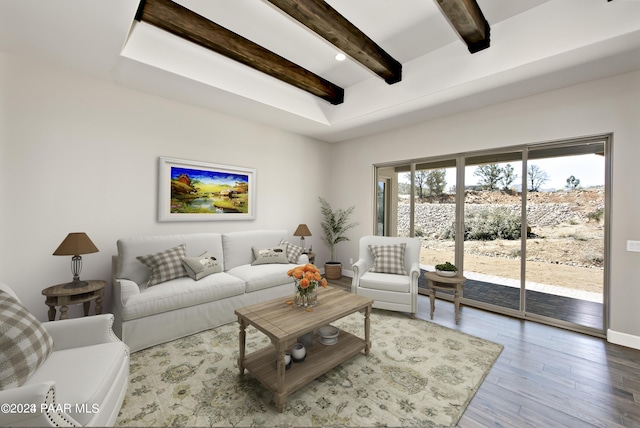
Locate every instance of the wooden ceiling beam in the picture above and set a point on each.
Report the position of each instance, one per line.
(187, 24)
(325, 21)
(467, 19)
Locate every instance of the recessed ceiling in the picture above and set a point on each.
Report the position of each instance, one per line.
(536, 45)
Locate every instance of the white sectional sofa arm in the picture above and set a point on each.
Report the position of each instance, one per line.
(303, 259)
(35, 405)
(78, 332)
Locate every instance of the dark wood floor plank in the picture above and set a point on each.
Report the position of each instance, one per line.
(545, 376)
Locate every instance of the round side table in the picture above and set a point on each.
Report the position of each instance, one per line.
(57, 295)
(439, 282)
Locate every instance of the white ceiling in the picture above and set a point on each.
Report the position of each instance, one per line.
(536, 45)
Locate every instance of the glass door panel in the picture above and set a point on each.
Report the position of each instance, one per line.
(434, 216)
(565, 246)
(492, 229)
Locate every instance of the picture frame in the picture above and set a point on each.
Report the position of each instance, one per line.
(201, 191)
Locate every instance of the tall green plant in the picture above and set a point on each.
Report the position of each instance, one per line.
(334, 226)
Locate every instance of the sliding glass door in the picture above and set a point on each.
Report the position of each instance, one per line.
(527, 226)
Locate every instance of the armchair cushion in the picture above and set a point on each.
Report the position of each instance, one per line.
(386, 282)
(24, 343)
(165, 265)
(388, 258)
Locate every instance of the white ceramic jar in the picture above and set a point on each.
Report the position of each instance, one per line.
(298, 352)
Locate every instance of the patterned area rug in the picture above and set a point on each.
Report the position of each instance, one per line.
(417, 374)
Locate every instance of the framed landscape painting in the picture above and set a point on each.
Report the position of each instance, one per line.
(199, 191)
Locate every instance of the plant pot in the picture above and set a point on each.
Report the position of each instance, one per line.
(333, 270)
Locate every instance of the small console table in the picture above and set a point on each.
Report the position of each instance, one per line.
(57, 295)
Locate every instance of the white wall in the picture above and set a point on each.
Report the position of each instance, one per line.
(602, 106)
(78, 154)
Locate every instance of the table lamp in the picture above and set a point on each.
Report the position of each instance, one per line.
(74, 245)
(302, 231)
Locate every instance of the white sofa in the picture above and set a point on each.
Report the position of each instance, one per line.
(82, 382)
(147, 316)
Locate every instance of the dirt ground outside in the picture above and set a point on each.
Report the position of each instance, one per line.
(567, 253)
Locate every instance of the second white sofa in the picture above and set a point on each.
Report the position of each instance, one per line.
(150, 315)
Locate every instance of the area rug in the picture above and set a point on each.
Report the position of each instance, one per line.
(417, 374)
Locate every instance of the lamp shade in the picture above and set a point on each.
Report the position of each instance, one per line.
(302, 230)
(75, 244)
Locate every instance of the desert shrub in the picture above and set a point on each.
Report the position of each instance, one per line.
(596, 215)
(488, 224)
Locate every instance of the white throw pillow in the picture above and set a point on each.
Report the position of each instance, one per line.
(270, 255)
(201, 266)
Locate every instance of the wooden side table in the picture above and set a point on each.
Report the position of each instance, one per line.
(57, 295)
(439, 282)
(312, 257)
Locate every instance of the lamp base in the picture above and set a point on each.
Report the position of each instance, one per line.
(76, 283)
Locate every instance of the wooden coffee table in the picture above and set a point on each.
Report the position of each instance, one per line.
(284, 323)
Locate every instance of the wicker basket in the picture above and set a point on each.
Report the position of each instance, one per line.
(333, 270)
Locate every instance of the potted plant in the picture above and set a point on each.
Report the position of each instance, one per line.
(446, 269)
(334, 226)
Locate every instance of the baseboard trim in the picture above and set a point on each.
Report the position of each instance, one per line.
(623, 339)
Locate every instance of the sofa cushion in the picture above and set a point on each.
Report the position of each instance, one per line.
(293, 251)
(165, 265)
(388, 258)
(83, 376)
(263, 276)
(201, 266)
(267, 256)
(181, 293)
(24, 343)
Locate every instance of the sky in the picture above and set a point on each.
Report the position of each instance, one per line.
(589, 169)
(207, 177)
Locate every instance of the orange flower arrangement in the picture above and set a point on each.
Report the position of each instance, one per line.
(307, 278)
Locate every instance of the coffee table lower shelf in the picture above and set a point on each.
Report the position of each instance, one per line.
(319, 360)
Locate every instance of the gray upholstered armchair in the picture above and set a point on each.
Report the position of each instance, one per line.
(387, 271)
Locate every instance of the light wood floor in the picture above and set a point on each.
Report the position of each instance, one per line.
(545, 376)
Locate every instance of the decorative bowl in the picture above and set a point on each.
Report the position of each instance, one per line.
(447, 273)
(328, 335)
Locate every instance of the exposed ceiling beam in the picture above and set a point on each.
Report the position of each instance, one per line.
(187, 24)
(324, 20)
(468, 20)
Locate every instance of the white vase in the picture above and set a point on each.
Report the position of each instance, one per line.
(298, 352)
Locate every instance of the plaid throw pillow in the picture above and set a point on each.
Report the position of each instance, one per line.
(388, 258)
(165, 265)
(293, 251)
(24, 343)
